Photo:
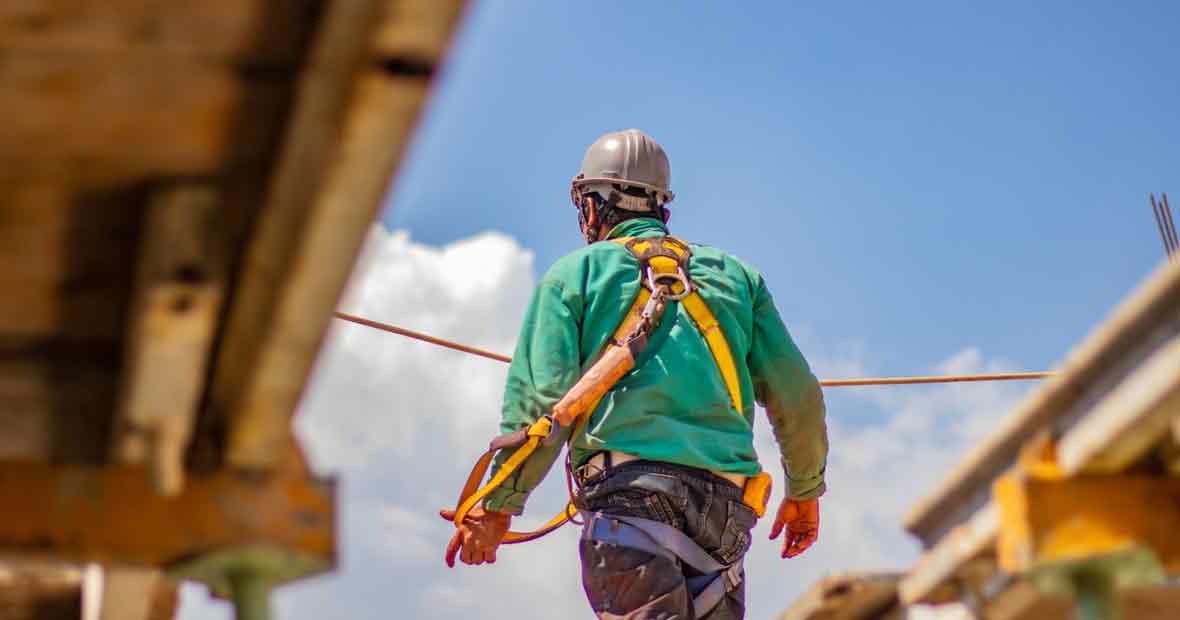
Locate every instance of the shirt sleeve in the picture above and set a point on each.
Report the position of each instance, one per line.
(794, 402)
(545, 365)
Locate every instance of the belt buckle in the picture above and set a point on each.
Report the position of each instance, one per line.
(587, 473)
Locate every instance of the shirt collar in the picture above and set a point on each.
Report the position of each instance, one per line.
(638, 227)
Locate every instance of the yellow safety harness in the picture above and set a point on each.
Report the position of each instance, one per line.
(664, 277)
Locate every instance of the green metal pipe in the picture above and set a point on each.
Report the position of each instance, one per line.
(251, 595)
(1096, 596)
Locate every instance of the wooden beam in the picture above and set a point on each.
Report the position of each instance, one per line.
(1129, 420)
(179, 289)
(69, 256)
(937, 569)
(39, 588)
(111, 515)
(353, 117)
(850, 596)
(1023, 601)
(1100, 362)
(242, 30)
(26, 413)
(114, 120)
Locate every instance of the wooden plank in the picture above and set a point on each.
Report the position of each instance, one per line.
(130, 593)
(1022, 601)
(26, 423)
(417, 30)
(849, 596)
(48, 405)
(1099, 362)
(1125, 424)
(109, 120)
(39, 589)
(111, 515)
(45, 312)
(1151, 603)
(180, 287)
(352, 120)
(942, 562)
(256, 30)
(69, 257)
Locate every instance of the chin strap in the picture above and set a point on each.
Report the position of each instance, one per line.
(588, 219)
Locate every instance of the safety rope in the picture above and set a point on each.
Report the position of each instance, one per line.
(999, 376)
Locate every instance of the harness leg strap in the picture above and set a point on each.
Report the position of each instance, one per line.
(661, 539)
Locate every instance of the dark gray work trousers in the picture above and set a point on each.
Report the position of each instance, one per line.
(629, 584)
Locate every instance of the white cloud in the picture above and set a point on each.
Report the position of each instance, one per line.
(401, 422)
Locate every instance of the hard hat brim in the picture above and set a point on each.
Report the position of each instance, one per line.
(664, 195)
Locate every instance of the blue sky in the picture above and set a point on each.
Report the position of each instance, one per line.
(946, 187)
(910, 178)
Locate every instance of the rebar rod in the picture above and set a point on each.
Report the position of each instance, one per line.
(1171, 223)
(1159, 222)
(408, 333)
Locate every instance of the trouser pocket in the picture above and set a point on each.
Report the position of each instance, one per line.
(735, 535)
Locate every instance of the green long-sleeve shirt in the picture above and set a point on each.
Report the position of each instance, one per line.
(673, 406)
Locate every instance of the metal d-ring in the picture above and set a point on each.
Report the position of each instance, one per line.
(667, 280)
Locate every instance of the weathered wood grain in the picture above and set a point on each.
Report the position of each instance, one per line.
(257, 30)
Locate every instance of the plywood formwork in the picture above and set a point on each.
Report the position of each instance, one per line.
(184, 187)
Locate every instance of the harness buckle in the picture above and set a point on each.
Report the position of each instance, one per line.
(733, 575)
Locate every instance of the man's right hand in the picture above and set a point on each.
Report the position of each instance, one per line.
(478, 537)
(800, 517)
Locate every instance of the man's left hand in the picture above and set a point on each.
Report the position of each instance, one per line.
(477, 537)
(800, 517)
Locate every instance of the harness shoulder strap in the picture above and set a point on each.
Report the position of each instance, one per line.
(669, 257)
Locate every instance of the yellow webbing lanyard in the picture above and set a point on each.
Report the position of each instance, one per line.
(705, 322)
(472, 493)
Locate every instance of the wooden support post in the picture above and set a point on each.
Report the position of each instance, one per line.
(179, 290)
(136, 593)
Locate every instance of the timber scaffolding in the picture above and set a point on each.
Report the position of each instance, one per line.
(1071, 508)
(184, 187)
